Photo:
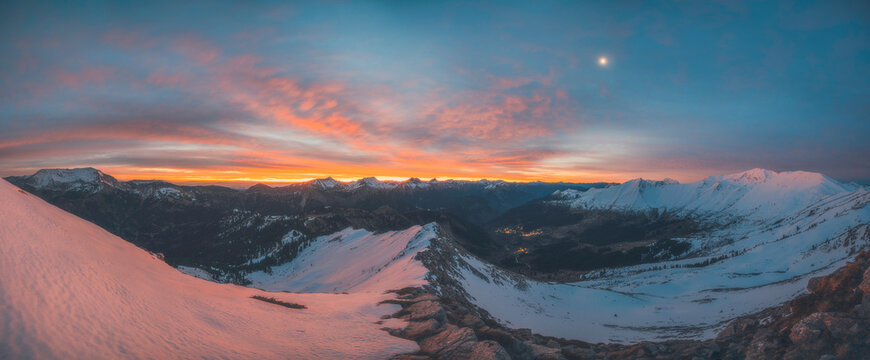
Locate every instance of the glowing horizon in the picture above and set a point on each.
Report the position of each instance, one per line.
(572, 92)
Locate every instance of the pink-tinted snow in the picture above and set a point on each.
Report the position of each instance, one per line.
(70, 290)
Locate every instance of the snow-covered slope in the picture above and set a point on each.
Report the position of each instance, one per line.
(70, 290)
(782, 229)
(75, 290)
(757, 194)
(353, 261)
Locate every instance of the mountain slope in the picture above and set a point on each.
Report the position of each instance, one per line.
(353, 260)
(757, 194)
(782, 229)
(71, 290)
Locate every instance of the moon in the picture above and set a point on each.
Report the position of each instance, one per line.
(602, 61)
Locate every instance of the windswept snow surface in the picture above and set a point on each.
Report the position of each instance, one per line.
(353, 260)
(811, 226)
(70, 290)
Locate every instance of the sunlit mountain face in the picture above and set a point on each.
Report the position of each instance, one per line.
(434, 180)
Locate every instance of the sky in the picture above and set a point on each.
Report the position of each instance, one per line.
(213, 92)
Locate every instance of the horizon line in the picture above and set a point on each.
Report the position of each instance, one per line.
(277, 182)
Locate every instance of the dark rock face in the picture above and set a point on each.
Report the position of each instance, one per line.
(446, 330)
(831, 322)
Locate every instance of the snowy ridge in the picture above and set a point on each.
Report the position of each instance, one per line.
(72, 290)
(757, 193)
(353, 260)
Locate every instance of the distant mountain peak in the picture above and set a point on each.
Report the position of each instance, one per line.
(327, 183)
(415, 183)
(783, 179)
(642, 183)
(757, 192)
(373, 182)
(259, 187)
(88, 179)
(753, 176)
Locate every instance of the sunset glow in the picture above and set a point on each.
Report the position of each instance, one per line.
(242, 94)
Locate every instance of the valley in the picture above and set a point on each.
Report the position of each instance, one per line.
(619, 264)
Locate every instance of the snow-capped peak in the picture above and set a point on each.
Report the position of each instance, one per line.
(754, 176)
(327, 183)
(84, 179)
(414, 183)
(492, 184)
(786, 179)
(756, 193)
(642, 183)
(374, 183)
(670, 181)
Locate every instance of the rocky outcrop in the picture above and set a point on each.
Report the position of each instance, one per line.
(831, 322)
(445, 329)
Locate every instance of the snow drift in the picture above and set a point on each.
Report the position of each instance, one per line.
(71, 290)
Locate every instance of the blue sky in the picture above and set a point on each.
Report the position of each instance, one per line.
(279, 92)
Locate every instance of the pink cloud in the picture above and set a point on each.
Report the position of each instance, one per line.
(96, 75)
(163, 78)
(196, 48)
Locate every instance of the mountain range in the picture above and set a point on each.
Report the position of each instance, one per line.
(575, 264)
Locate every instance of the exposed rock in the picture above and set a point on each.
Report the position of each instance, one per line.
(840, 325)
(488, 350)
(833, 321)
(814, 284)
(545, 352)
(864, 286)
(411, 357)
(469, 320)
(523, 334)
(420, 329)
(414, 297)
(575, 352)
(452, 343)
(737, 327)
(425, 310)
(863, 309)
(508, 341)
